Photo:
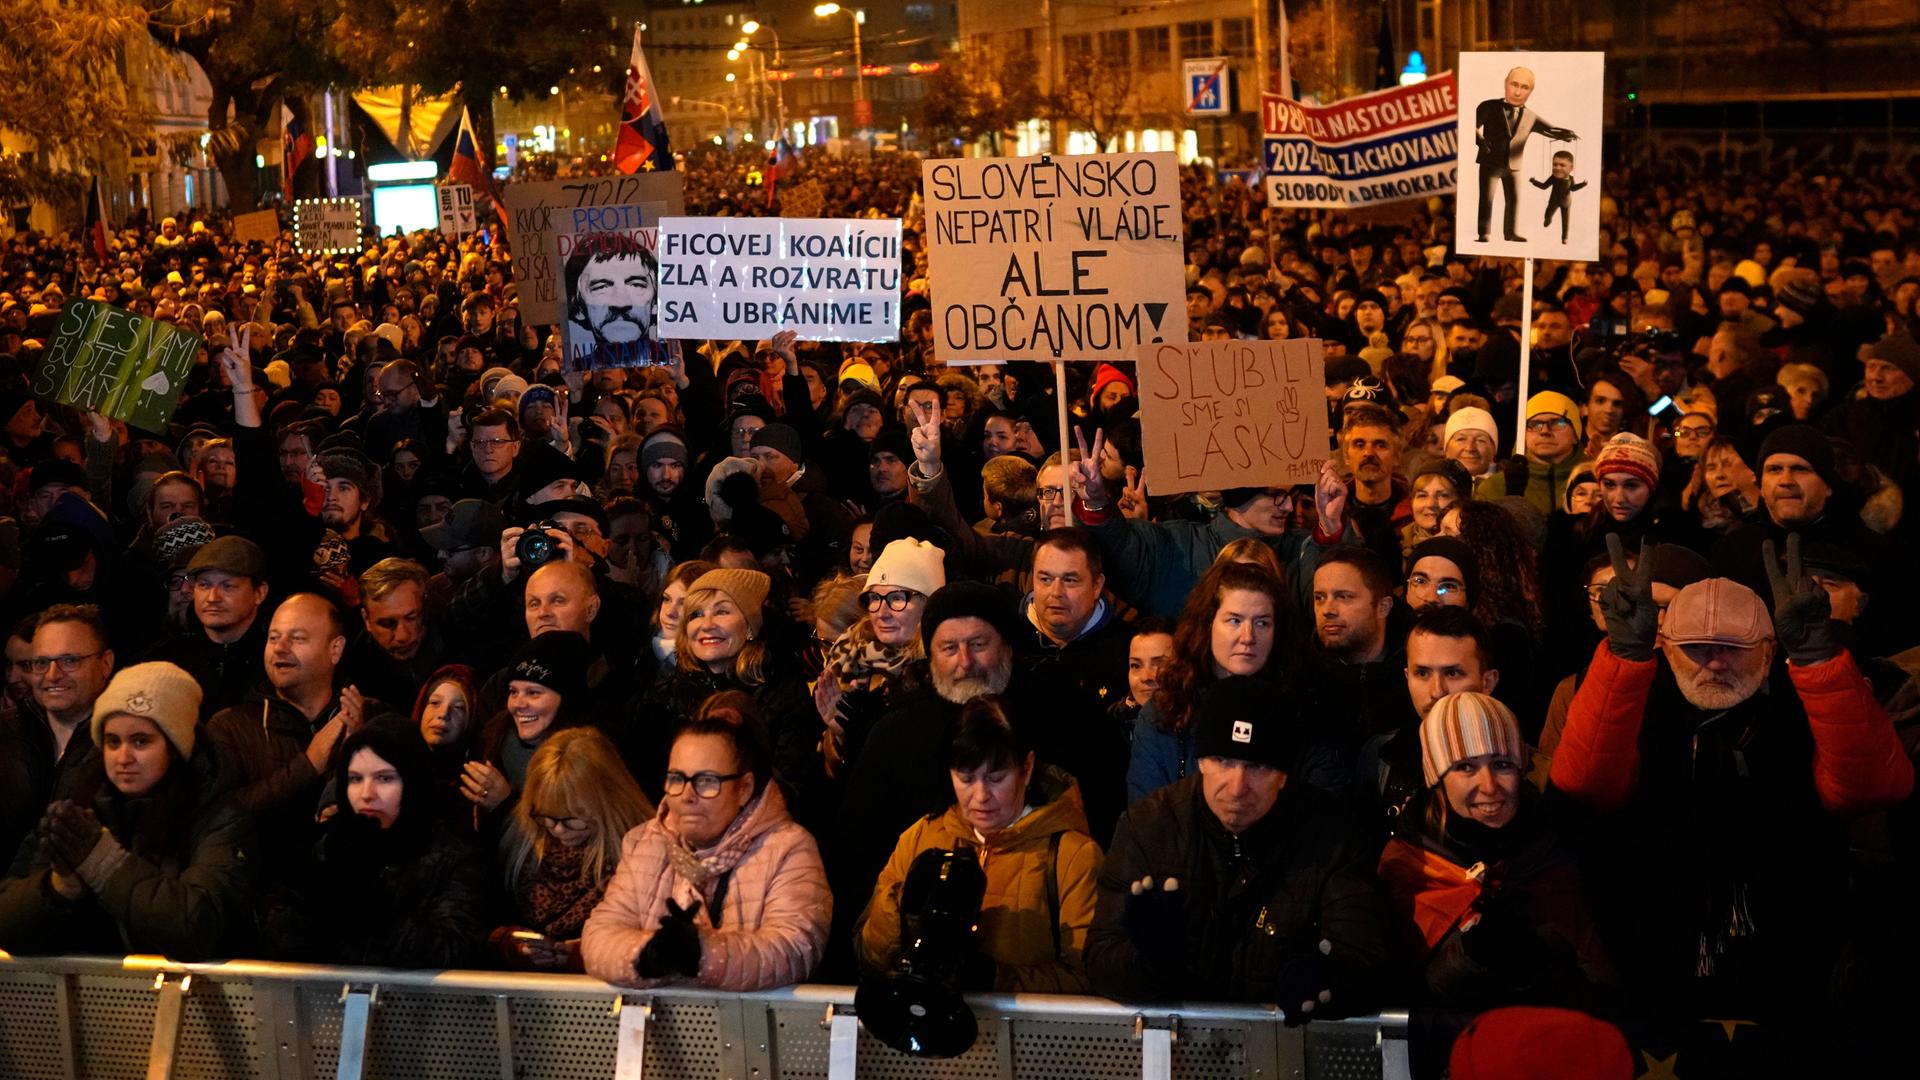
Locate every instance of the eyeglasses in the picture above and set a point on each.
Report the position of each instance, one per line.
(1442, 587)
(1050, 494)
(1553, 423)
(547, 821)
(706, 784)
(381, 393)
(896, 600)
(1693, 431)
(67, 662)
(489, 444)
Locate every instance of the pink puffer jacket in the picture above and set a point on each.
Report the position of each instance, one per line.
(776, 910)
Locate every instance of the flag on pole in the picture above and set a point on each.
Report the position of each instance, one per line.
(97, 222)
(467, 168)
(643, 129)
(296, 146)
(1285, 87)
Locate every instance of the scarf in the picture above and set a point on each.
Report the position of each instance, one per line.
(702, 868)
(862, 663)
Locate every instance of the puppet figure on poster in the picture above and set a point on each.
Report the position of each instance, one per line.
(1529, 146)
(611, 282)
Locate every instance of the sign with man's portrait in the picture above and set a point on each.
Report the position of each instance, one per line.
(611, 281)
(1529, 154)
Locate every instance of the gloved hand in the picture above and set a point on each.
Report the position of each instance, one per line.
(1802, 611)
(674, 949)
(1633, 619)
(1304, 983)
(1156, 921)
(68, 833)
(1502, 940)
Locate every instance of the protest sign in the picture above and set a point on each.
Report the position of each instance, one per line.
(324, 226)
(1391, 144)
(261, 225)
(121, 365)
(1529, 141)
(803, 200)
(1055, 258)
(824, 279)
(610, 278)
(1226, 414)
(456, 210)
(542, 211)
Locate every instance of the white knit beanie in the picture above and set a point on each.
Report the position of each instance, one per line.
(909, 564)
(1471, 418)
(155, 691)
(1467, 725)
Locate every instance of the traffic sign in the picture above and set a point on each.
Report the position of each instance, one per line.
(1208, 86)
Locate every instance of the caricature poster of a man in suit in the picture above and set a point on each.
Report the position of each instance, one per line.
(1501, 128)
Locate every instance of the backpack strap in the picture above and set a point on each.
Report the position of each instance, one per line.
(1053, 893)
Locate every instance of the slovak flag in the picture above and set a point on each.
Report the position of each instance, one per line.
(465, 168)
(643, 130)
(296, 146)
(785, 160)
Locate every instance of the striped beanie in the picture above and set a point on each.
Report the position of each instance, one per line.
(1467, 725)
(1631, 454)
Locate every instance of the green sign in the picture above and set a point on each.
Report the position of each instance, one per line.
(124, 366)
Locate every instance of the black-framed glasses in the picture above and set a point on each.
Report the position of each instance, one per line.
(1049, 494)
(548, 821)
(489, 444)
(1694, 431)
(706, 784)
(896, 600)
(67, 662)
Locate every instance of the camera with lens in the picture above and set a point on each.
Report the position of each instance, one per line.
(537, 546)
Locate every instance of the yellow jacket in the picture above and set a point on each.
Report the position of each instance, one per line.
(1015, 915)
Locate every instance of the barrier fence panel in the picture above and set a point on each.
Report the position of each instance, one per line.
(70, 1018)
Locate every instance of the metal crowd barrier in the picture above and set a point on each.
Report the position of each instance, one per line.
(69, 1018)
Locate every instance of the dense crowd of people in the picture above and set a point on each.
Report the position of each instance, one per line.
(406, 645)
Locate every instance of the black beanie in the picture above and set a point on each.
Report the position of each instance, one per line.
(1236, 719)
(1454, 550)
(970, 600)
(1804, 441)
(558, 661)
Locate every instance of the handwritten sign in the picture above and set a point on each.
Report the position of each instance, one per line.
(124, 366)
(803, 200)
(324, 226)
(1226, 414)
(542, 211)
(610, 276)
(261, 225)
(824, 279)
(1055, 258)
(1381, 147)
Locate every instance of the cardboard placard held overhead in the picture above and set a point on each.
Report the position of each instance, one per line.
(1226, 414)
(456, 210)
(825, 279)
(803, 200)
(1529, 157)
(261, 225)
(543, 210)
(1055, 258)
(121, 365)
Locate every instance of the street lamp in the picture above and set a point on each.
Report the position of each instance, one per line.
(749, 28)
(827, 11)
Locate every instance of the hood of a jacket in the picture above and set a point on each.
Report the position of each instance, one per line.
(1061, 811)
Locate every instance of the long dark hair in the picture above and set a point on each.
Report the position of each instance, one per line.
(159, 827)
(1190, 669)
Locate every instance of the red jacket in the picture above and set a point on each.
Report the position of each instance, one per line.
(1858, 763)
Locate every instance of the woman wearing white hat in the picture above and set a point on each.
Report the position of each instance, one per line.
(137, 855)
(875, 665)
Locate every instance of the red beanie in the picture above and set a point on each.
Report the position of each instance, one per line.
(1527, 1043)
(1105, 374)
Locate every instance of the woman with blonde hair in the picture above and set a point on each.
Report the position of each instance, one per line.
(563, 846)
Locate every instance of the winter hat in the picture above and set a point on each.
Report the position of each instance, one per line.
(391, 334)
(1508, 308)
(556, 660)
(1678, 566)
(1631, 454)
(783, 438)
(1107, 373)
(1718, 611)
(747, 588)
(1804, 441)
(1455, 473)
(969, 599)
(1802, 294)
(279, 374)
(541, 464)
(909, 564)
(156, 691)
(1525, 1042)
(1236, 719)
(1471, 418)
(1454, 550)
(1553, 403)
(1581, 474)
(180, 539)
(352, 466)
(56, 471)
(892, 439)
(1750, 272)
(1467, 725)
(1900, 350)
(665, 444)
(862, 396)
(234, 555)
(1447, 384)
(540, 394)
(508, 386)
